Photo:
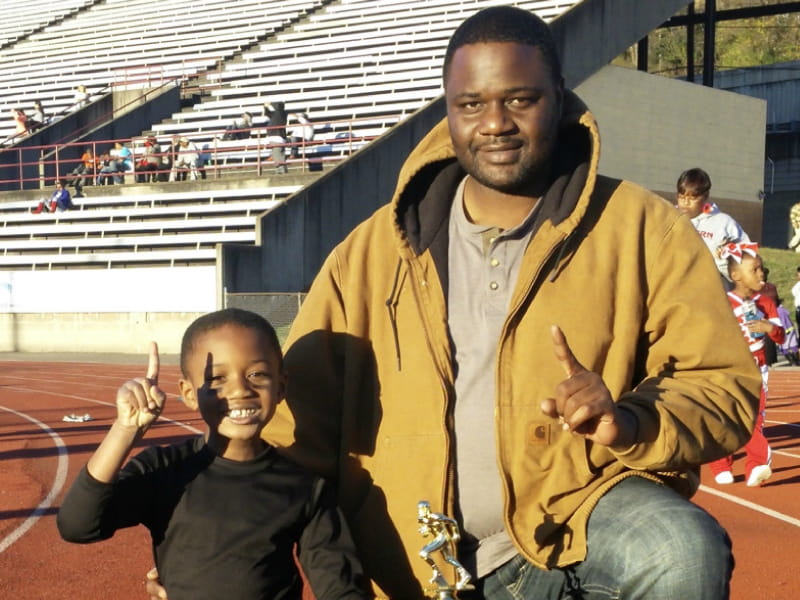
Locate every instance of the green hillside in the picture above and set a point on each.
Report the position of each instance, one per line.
(782, 265)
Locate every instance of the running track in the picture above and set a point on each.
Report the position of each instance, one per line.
(40, 455)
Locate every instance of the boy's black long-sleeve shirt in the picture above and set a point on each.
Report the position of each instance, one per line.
(222, 528)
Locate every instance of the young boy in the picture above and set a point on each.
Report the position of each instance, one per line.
(224, 510)
(715, 227)
(757, 316)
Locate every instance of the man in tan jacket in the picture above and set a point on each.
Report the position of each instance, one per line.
(543, 353)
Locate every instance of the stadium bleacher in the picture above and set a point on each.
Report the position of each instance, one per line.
(124, 41)
(115, 230)
(357, 67)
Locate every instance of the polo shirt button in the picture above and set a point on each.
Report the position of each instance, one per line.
(494, 262)
(494, 285)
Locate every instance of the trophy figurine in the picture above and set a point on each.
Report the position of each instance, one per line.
(445, 537)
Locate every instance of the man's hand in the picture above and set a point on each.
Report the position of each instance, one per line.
(153, 587)
(583, 404)
(140, 400)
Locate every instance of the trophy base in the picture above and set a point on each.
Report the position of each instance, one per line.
(445, 592)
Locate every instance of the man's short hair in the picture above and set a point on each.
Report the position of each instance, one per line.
(695, 178)
(505, 24)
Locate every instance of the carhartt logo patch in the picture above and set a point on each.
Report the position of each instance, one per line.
(538, 433)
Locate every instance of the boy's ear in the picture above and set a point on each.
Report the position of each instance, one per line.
(188, 394)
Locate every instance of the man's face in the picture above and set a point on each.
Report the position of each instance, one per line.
(503, 109)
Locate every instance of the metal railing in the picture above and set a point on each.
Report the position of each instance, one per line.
(250, 152)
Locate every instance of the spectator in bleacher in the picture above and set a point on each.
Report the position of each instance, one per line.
(20, 122)
(276, 136)
(187, 161)
(38, 117)
(104, 176)
(204, 159)
(276, 113)
(120, 161)
(168, 155)
(59, 200)
(240, 128)
(149, 162)
(81, 97)
(301, 132)
(84, 172)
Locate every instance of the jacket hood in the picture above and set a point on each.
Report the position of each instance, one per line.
(432, 172)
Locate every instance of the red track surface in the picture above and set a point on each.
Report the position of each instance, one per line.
(40, 456)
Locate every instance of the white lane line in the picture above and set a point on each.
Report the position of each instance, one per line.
(774, 422)
(58, 482)
(789, 454)
(61, 471)
(161, 418)
(752, 505)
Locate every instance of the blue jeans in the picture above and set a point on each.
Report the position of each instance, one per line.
(645, 542)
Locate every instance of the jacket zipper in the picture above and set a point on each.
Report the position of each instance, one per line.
(559, 245)
(418, 282)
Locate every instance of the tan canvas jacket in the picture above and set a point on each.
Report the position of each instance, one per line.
(627, 278)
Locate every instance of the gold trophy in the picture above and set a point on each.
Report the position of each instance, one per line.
(446, 535)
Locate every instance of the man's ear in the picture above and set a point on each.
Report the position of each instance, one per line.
(188, 394)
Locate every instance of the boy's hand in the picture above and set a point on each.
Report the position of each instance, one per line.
(583, 403)
(760, 326)
(140, 400)
(153, 587)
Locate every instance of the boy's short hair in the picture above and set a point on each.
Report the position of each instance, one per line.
(505, 24)
(695, 178)
(228, 316)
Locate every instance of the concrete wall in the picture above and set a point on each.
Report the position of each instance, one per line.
(128, 332)
(101, 310)
(653, 128)
(133, 289)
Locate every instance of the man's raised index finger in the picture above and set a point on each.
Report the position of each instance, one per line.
(563, 352)
(153, 363)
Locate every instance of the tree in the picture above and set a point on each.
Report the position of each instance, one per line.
(742, 43)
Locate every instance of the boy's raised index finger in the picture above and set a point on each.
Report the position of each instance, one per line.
(564, 352)
(153, 363)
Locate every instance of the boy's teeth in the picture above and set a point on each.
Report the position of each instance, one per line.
(238, 413)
